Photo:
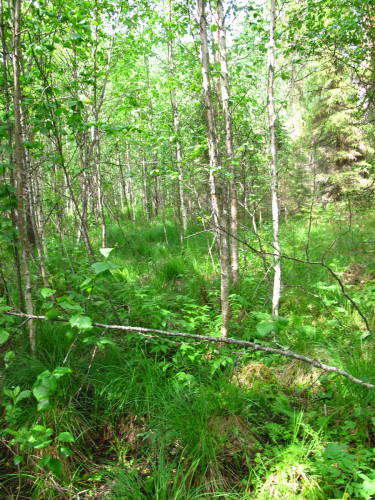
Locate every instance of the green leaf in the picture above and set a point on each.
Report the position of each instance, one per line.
(87, 281)
(44, 374)
(61, 370)
(65, 437)
(81, 322)
(38, 428)
(282, 321)
(54, 466)
(41, 392)
(70, 307)
(334, 450)
(105, 340)
(105, 252)
(8, 393)
(266, 327)
(52, 314)
(9, 356)
(47, 292)
(89, 339)
(50, 383)
(100, 267)
(40, 444)
(4, 336)
(349, 424)
(17, 460)
(66, 451)
(44, 460)
(44, 404)
(99, 287)
(23, 395)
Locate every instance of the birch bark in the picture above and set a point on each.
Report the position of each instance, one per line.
(176, 126)
(218, 203)
(225, 95)
(273, 164)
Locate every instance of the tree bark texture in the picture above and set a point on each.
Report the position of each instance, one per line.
(273, 164)
(228, 143)
(19, 160)
(176, 126)
(218, 202)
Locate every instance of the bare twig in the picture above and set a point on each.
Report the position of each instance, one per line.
(195, 234)
(221, 340)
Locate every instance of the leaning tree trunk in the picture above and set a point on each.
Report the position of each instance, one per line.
(19, 161)
(273, 165)
(218, 203)
(228, 143)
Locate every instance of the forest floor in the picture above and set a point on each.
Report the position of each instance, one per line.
(156, 419)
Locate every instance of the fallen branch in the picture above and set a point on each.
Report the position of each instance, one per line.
(222, 340)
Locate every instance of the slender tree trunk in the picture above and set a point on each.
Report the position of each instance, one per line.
(99, 187)
(162, 212)
(176, 126)
(228, 143)
(39, 217)
(273, 165)
(17, 263)
(101, 205)
(31, 217)
(129, 184)
(123, 184)
(156, 188)
(83, 229)
(38, 243)
(146, 198)
(18, 156)
(89, 249)
(218, 203)
(216, 79)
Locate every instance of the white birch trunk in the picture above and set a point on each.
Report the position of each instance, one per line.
(176, 126)
(273, 164)
(218, 205)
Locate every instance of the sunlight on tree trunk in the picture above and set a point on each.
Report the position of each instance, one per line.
(225, 95)
(217, 198)
(273, 164)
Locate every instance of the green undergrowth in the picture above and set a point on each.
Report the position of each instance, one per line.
(144, 417)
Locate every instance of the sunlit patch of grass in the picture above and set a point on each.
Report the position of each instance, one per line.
(172, 269)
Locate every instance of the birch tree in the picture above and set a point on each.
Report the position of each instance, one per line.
(176, 129)
(216, 188)
(225, 94)
(273, 162)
